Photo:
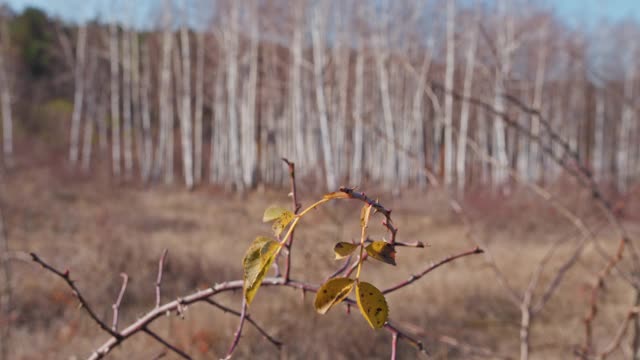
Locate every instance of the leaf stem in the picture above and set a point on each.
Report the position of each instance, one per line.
(363, 235)
(297, 219)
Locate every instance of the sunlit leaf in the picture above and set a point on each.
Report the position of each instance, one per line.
(256, 263)
(332, 292)
(272, 213)
(282, 221)
(383, 251)
(336, 195)
(372, 304)
(344, 249)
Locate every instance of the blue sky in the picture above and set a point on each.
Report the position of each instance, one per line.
(574, 12)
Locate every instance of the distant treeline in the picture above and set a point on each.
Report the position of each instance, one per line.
(396, 93)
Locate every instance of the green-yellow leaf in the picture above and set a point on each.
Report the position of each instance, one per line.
(382, 251)
(252, 260)
(344, 249)
(256, 263)
(282, 221)
(272, 213)
(372, 304)
(332, 292)
(336, 195)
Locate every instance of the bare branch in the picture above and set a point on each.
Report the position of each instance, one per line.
(163, 258)
(432, 267)
(162, 341)
(116, 305)
(238, 333)
(78, 295)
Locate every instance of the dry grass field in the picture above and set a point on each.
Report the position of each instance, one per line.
(98, 230)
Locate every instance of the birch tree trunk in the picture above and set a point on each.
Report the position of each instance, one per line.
(127, 133)
(147, 137)
(165, 110)
(358, 127)
(248, 135)
(448, 97)
(78, 98)
(534, 152)
(464, 111)
(199, 102)
(231, 47)
(186, 120)
(115, 99)
(499, 135)
(5, 97)
(625, 127)
(390, 158)
(92, 90)
(598, 139)
(318, 64)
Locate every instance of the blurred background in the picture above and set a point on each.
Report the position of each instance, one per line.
(131, 127)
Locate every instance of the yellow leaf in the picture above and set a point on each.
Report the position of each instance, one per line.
(272, 213)
(282, 221)
(344, 249)
(256, 263)
(372, 304)
(332, 292)
(383, 251)
(336, 195)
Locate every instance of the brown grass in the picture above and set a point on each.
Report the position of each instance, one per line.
(97, 230)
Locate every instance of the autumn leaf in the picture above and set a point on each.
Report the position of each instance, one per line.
(332, 292)
(372, 304)
(281, 218)
(344, 249)
(382, 251)
(256, 263)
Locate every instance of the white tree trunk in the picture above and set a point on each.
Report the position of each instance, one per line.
(5, 98)
(199, 102)
(115, 99)
(358, 127)
(466, 105)
(127, 131)
(165, 110)
(186, 121)
(231, 39)
(448, 97)
(318, 64)
(78, 98)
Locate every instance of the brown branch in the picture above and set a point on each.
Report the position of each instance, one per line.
(296, 208)
(388, 223)
(116, 305)
(238, 333)
(432, 267)
(593, 299)
(162, 341)
(408, 338)
(622, 330)
(84, 304)
(249, 319)
(394, 344)
(163, 259)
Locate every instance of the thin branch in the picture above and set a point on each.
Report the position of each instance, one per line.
(250, 320)
(116, 305)
(296, 208)
(432, 267)
(238, 333)
(163, 259)
(408, 338)
(388, 223)
(394, 344)
(622, 330)
(65, 276)
(162, 341)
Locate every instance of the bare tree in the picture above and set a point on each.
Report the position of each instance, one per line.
(78, 98)
(5, 96)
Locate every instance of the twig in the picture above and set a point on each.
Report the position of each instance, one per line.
(156, 337)
(394, 344)
(6, 295)
(238, 333)
(622, 330)
(84, 304)
(388, 223)
(296, 208)
(399, 334)
(249, 319)
(116, 305)
(432, 267)
(163, 259)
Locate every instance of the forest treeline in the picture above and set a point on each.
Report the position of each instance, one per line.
(385, 92)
